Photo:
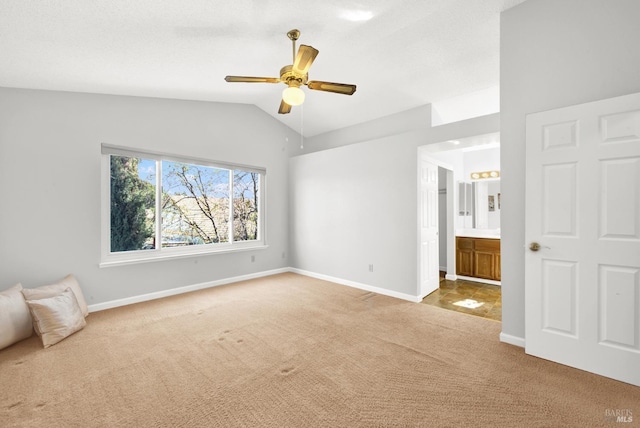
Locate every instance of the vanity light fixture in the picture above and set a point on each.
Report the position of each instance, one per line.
(485, 174)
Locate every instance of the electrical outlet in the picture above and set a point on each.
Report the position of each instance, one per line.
(253, 259)
(283, 254)
(370, 268)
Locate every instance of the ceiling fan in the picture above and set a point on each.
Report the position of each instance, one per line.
(296, 75)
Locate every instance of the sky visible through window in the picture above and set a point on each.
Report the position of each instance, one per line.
(147, 171)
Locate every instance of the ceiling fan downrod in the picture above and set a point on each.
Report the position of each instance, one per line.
(293, 36)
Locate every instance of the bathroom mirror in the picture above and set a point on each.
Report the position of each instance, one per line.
(479, 202)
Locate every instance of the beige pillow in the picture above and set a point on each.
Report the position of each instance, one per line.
(57, 317)
(45, 291)
(15, 320)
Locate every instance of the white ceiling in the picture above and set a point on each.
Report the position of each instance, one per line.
(409, 53)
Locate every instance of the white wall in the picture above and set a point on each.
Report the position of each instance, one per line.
(354, 202)
(50, 184)
(553, 54)
(480, 160)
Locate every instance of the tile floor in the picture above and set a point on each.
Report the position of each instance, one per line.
(475, 298)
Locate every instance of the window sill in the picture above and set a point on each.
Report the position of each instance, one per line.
(137, 258)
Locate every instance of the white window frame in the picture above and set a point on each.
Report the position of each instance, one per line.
(109, 258)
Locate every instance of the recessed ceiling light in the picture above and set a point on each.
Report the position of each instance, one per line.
(356, 15)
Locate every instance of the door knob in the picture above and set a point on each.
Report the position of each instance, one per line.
(534, 246)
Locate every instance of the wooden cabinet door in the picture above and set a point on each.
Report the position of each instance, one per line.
(464, 256)
(484, 264)
(484, 260)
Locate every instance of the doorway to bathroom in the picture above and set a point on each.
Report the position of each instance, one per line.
(468, 224)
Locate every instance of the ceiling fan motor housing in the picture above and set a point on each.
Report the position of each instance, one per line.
(291, 78)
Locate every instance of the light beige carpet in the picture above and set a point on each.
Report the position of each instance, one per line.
(290, 351)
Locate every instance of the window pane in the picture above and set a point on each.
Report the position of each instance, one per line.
(195, 204)
(132, 203)
(246, 186)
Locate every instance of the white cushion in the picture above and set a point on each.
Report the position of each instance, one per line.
(15, 320)
(57, 317)
(45, 291)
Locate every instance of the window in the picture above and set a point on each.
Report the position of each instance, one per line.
(157, 206)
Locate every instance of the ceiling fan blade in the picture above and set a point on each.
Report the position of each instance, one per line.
(304, 59)
(248, 79)
(338, 88)
(284, 108)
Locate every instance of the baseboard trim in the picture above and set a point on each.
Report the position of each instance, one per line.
(210, 284)
(180, 290)
(482, 280)
(451, 277)
(359, 285)
(512, 340)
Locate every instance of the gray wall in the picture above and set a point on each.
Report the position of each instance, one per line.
(50, 184)
(418, 118)
(354, 199)
(553, 54)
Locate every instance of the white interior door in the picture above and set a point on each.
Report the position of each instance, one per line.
(428, 215)
(582, 285)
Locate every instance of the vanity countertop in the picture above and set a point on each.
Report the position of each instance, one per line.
(479, 233)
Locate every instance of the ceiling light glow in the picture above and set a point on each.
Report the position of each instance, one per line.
(356, 15)
(293, 96)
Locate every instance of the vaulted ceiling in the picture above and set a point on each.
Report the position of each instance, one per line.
(400, 54)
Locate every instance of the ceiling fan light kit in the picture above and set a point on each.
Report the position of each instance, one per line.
(296, 75)
(293, 95)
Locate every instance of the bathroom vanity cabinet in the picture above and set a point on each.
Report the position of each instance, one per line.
(478, 257)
